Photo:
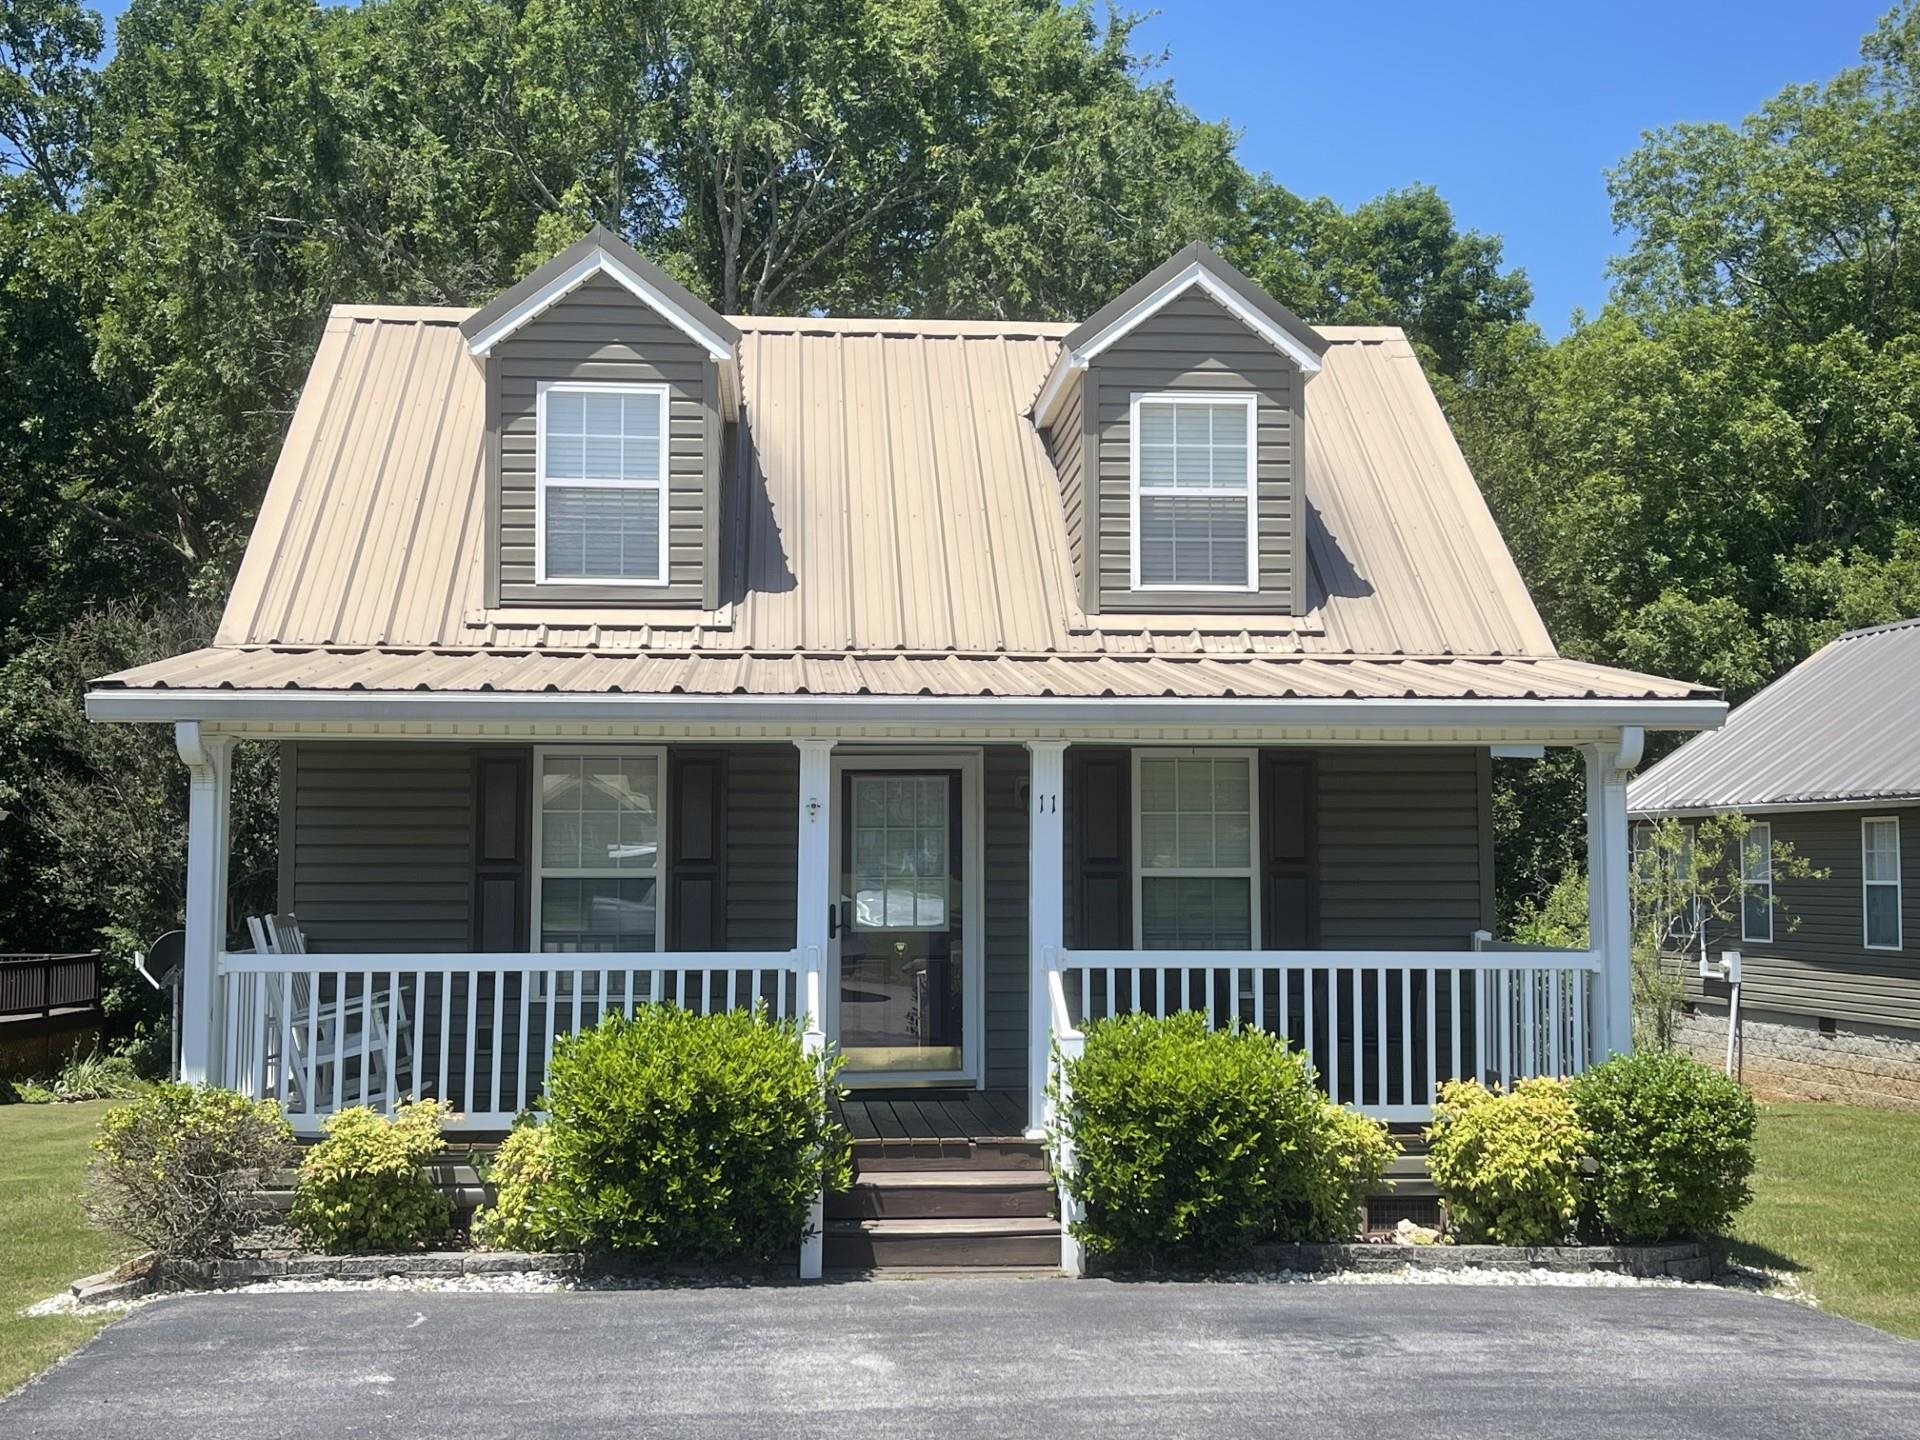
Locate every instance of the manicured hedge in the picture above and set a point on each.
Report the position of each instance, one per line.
(363, 1188)
(1672, 1144)
(1508, 1164)
(1190, 1144)
(686, 1137)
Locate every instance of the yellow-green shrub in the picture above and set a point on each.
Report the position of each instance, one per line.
(362, 1188)
(1192, 1144)
(177, 1170)
(522, 1216)
(1508, 1165)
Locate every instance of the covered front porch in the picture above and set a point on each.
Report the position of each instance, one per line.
(941, 908)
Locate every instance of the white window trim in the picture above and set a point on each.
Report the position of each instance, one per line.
(1895, 884)
(1248, 402)
(541, 754)
(1250, 871)
(1759, 828)
(541, 482)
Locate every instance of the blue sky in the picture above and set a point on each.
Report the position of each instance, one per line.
(1513, 112)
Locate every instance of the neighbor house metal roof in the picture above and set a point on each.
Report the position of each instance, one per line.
(895, 527)
(1841, 727)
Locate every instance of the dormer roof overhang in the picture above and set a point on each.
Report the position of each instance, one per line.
(601, 252)
(1194, 267)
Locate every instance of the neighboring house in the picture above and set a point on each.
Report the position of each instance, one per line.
(1827, 760)
(974, 677)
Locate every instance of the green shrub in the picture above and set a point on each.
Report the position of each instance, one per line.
(1673, 1144)
(33, 1092)
(688, 1137)
(177, 1170)
(1508, 1165)
(97, 1077)
(1190, 1145)
(362, 1188)
(522, 1215)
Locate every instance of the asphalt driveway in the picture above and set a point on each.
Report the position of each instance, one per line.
(964, 1358)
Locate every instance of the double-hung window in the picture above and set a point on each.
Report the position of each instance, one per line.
(1880, 882)
(1756, 884)
(597, 839)
(1193, 833)
(1194, 517)
(601, 484)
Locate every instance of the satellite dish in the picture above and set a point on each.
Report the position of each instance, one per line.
(160, 966)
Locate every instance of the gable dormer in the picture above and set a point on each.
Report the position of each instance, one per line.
(608, 390)
(1176, 420)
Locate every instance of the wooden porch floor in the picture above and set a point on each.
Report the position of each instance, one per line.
(934, 1115)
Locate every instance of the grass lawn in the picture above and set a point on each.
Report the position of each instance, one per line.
(1836, 1203)
(44, 1240)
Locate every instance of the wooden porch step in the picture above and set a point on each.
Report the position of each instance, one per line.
(945, 1195)
(1022, 1243)
(871, 1157)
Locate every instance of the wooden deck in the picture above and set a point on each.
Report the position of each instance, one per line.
(944, 1116)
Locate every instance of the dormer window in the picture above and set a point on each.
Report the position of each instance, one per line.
(601, 483)
(1193, 492)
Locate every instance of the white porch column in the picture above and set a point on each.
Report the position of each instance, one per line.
(209, 760)
(1609, 922)
(1046, 911)
(814, 892)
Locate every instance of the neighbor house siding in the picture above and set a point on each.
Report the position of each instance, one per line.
(1818, 963)
(381, 839)
(1193, 344)
(603, 332)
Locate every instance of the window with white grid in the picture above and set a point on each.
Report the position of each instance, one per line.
(1193, 828)
(1880, 883)
(1756, 888)
(1193, 492)
(597, 843)
(601, 478)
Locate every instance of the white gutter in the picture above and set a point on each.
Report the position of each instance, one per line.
(218, 706)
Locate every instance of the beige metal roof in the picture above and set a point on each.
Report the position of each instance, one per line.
(1066, 676)
(1840, 728)
(895, 522)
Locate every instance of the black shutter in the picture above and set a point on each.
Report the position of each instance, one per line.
(502, 850)
(696, 851)
(1100, 812)
(1289, 897)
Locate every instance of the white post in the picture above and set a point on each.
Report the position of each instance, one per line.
(209, 760)
(814, 891)
(1046, 912)
(1609, 923)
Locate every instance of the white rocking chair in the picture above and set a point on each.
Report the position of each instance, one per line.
(342, 1026)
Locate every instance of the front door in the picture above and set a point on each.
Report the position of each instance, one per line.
(902, 984)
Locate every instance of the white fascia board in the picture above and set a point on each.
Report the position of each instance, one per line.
(598, 262)
(1198, 274)
(1041, 711)
(1057, 380)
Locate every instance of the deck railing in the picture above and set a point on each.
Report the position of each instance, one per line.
(1384, 1029)
(41, 984)
(322, 1032)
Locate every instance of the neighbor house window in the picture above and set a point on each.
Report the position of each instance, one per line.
(601, 483)
(1880, 882)
(597, 839)
(1193, 492)
(1756, 888)
(1194, 837)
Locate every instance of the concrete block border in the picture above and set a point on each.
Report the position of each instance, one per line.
(1684, 1260)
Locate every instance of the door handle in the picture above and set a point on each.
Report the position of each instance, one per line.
(833, 922)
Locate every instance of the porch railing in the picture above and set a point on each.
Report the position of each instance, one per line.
(1384, 1029)
(41, 984)
(322, 1032)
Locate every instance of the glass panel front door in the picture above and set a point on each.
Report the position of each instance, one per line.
(899, 920)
